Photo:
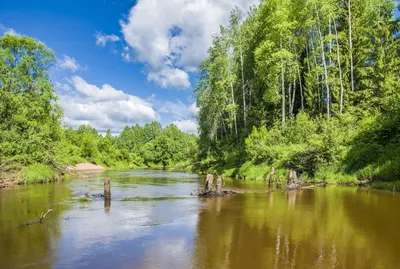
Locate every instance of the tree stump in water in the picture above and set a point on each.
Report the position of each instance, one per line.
(271, 176)
(219, 184)
(292, 183)
(209, 182)
(107, 188)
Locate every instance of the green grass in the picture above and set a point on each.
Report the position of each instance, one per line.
(387, 186)
(37, 173)
(334, 176)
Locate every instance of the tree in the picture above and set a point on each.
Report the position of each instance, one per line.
(29, 113)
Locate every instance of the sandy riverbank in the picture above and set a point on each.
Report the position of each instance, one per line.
(89, 167)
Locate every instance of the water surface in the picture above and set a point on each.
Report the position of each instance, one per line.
(154, 222)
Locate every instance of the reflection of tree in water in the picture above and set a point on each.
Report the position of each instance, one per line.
(35, 243)
(308, 228)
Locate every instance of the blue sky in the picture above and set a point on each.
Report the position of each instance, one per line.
(122, 62)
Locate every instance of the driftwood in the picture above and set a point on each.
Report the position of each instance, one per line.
(40, 219)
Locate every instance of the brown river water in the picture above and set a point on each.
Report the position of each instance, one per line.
(154, 222)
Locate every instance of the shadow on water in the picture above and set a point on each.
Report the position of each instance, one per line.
(153, 222)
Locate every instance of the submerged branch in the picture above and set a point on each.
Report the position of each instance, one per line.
(40, 219)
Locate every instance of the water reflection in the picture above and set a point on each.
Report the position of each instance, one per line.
(155, 223)
(321, 228)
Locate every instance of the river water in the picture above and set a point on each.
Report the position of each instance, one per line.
(154, 222)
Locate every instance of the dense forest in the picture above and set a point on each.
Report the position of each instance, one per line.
(35, 146)
(312, 86)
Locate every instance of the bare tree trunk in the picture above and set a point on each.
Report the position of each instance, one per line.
(294, 94)
(308, 60)
(328, 97)
(301, 86)
(283, 89)
(220, 113)
(243, 86)
(351, 46)
(234, 113)
(340, 68)
(290, 99)
(317, 77)
(330, 43)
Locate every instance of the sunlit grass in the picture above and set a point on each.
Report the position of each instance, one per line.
(37, 173)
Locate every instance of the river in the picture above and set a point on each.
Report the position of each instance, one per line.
(154, 222)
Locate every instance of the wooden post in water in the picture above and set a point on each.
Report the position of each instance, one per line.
(107, 188)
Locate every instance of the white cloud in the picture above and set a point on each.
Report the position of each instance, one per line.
(6, 30)
(62, 86)
(68, 63)
(172, 37)
(126, 54)
(179, 110)
(104, 107)
(184, 116)
(170, 78)
(187, 126)
(102, 39)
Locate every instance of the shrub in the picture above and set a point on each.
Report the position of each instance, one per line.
(38, 173)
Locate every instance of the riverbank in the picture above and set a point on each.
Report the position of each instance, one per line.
(330, 175)
(40, 173)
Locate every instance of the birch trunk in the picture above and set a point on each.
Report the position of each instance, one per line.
(294, 95)
(243, 86)
(328, 101)
(340, 69)
(234, 112)
(301, 86)
(351, 47)
(283, 89)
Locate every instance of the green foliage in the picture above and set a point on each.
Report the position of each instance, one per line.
(387, 186)
(29, 114)
(300, 85)
(375, 152)
(38, 173)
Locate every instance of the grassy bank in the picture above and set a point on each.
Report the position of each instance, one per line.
(253, 171)
(37, 173)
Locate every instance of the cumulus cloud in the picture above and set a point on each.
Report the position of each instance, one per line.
(104, 107)
(172, 37)
(187, 126)
(68, 63)
(170, 77)
(103, 39)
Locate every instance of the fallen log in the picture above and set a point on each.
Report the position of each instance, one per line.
(40, 219)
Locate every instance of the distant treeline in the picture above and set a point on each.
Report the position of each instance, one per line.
(31, 133)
